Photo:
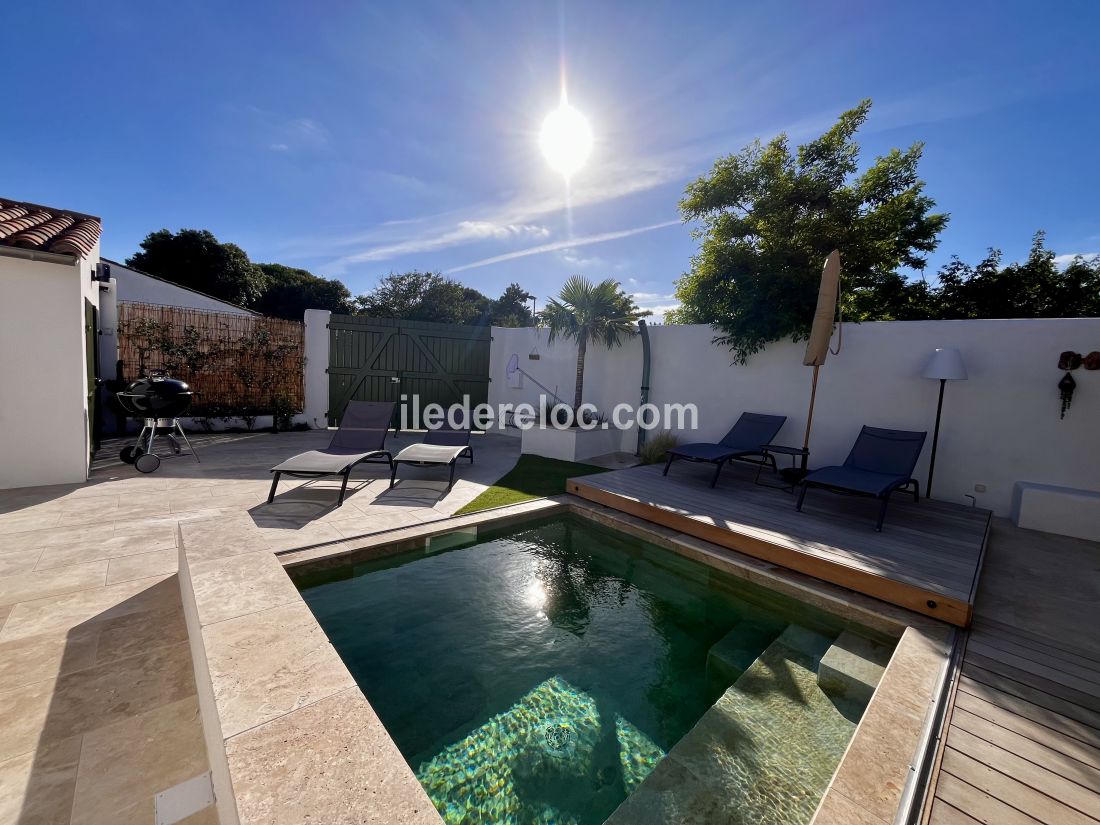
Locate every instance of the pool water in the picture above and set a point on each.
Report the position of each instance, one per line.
(543, 673)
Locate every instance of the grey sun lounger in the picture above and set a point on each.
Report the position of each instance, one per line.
(751, 432)
(443, 446)
(361, 437)
(881, 463)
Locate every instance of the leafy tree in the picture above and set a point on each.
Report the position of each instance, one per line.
(511, 310)
(449, 302)
(586, 312)
(429, 296)
(290, 292)
(770, 216)
(404, 295)
(194, 258)
(1036, 288)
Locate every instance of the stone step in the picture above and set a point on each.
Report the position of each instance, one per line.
(852, 667)
(735, 652)
(809, 643)
(763, 753)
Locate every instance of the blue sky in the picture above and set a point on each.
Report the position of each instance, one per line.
(356, 138)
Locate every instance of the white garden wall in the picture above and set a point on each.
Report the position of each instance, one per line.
(316, 367)
(999, 427)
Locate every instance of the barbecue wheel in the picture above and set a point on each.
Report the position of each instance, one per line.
(146, 463)
(128, 454)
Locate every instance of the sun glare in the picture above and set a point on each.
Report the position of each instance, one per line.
(565, 140)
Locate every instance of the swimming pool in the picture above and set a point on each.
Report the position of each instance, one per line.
(562, 672)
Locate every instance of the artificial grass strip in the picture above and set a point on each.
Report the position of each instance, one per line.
(532, 477)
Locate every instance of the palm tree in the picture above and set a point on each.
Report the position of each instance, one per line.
(585, 312)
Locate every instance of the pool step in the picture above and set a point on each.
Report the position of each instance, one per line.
(735, 652)
(852, 667)
(763, 753)
(802, 640)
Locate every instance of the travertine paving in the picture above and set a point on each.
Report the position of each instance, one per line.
(98, 706)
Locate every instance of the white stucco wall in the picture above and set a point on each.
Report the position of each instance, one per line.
(139, 287)
(44, 427)
(316, 364)
(999, 427)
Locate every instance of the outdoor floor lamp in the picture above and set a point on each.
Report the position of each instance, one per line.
(946, 364)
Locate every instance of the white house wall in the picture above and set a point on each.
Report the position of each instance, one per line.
(43, 404)
(999, 427)
(137, 287)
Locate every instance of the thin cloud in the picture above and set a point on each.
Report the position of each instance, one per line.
(660, 311)
(559, 245)
(660, 304)
(463, 232)
(434, 232)
(277, 131)
(574, 258)
(1066, 259)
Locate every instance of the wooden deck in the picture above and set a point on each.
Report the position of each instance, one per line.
(927, 558)
(1022, 743)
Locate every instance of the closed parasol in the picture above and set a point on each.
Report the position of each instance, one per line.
(817, 348)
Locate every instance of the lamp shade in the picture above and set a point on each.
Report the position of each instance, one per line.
(945, 363)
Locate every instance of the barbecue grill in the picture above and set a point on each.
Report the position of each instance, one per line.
(158, 401)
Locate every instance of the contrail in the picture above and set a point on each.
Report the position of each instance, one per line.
(567, 244)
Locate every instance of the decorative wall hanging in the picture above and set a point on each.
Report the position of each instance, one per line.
(1092, 360)
(1065, 388)
(1069, 360)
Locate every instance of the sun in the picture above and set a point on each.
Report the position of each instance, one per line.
(565, 140)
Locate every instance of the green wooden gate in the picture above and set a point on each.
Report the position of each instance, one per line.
(383, 359)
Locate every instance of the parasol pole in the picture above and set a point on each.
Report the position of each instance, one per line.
(810, 416)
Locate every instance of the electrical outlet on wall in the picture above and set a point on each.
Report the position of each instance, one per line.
(979, 488)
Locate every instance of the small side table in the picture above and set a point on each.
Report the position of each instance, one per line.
(772, 450)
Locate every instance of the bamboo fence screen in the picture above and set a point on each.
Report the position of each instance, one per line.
(236, 364)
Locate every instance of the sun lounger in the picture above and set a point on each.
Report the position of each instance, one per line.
(360, 438)
(751, 432)
(443, 446)
(881, 462)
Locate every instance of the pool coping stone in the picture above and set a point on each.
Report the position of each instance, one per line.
(361, 776)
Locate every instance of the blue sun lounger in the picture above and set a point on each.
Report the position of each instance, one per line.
(881, 463)
(747, 438)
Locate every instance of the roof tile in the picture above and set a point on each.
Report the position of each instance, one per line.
(46, 229)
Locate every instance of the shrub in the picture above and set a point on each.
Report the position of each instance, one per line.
(656, 445)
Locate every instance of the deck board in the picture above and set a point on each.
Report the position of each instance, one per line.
(927, 558)
(1022, 741)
